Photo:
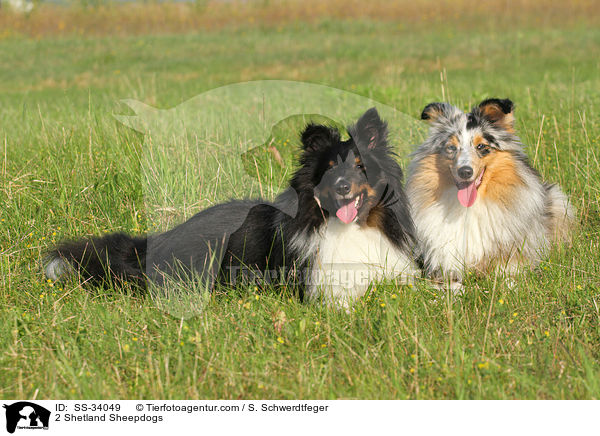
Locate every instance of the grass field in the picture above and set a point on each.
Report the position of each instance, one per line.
(69, 168)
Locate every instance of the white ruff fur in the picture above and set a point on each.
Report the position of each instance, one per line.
(498, 232)
(348, 258)
(454, 238)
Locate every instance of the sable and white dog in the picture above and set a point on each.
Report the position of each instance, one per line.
(477, 203)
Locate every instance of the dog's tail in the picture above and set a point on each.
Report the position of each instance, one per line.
(100, 259)
(560, 213)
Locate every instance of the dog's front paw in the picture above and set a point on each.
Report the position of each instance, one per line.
(510, 283)
(456, 287)
(451, 281)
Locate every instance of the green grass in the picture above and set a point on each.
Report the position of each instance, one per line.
(69, 168)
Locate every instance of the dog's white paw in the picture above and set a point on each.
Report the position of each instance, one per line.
(510, 283)
(456, 287)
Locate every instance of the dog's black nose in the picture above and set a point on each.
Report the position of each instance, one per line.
(342, 187)
(465, 172)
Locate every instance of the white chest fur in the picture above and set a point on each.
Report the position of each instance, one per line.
(454, 237)
(349, 258)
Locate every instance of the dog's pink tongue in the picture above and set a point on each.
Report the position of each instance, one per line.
(347, 213)
(468, 195)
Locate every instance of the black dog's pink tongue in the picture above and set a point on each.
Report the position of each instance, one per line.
(347, 213)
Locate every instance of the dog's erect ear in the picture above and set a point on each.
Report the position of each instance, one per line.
(317, 137)
(437, 111)
(370, 129)
(498, 112)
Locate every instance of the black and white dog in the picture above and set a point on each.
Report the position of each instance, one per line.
(344, 222)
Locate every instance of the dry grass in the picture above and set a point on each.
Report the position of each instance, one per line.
(136, 18)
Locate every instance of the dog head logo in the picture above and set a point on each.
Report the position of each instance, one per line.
(26, 415)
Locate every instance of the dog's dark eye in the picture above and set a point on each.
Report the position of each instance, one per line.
(483, 149)
(450, 149)
(360, 166)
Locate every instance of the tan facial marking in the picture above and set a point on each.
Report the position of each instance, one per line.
(478, 139)
(501, 177)
(364, 187)
(432, 178)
